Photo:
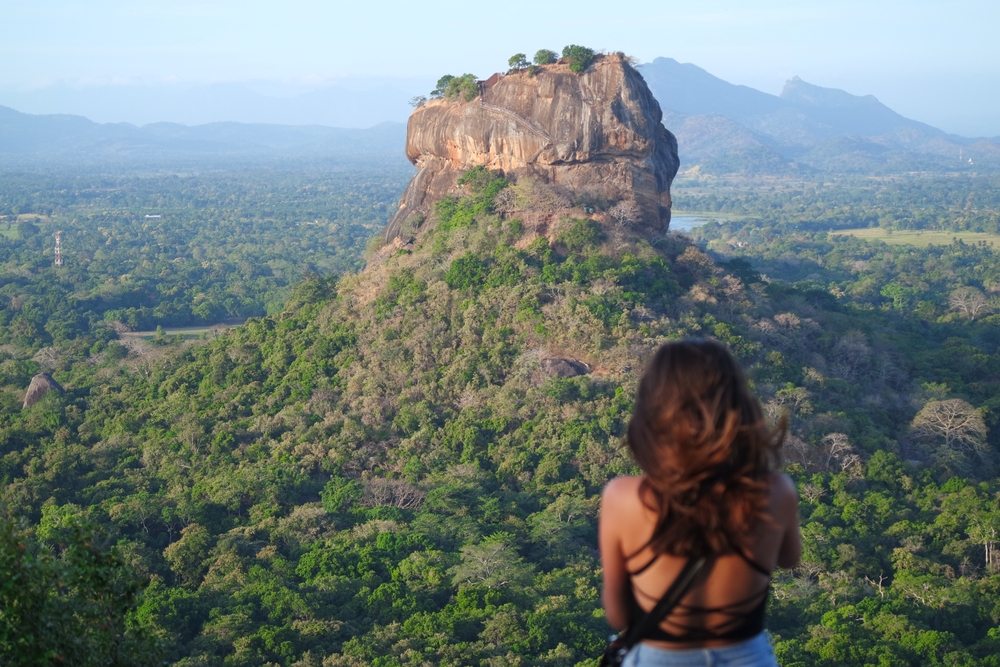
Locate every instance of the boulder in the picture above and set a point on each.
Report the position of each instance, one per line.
(40, 385)
(564, 368)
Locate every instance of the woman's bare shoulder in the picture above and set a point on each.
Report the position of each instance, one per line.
(621, 491)
(784, 495)
(783, 487)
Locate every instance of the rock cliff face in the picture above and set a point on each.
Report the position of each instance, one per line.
(597, 131)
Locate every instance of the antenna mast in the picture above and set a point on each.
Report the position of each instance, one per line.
(59, 257)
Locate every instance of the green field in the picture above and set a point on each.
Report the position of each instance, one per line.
(921, 238)
(187, 333)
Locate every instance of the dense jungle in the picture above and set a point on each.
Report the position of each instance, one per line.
(396, 459)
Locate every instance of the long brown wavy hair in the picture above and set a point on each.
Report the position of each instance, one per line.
(700, 436)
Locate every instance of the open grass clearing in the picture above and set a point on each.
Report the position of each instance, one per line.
(187, 333)
(920, 238)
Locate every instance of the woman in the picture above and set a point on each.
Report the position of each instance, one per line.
(709, 487)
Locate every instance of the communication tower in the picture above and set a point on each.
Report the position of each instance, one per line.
(59, 257)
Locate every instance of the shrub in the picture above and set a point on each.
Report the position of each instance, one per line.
(466, 271)
(582, 235)
(483, 185)
(515, 229)
(545, 57)
(578, 57)
(477, 178)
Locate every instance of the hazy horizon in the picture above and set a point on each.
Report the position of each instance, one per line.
(939, 65)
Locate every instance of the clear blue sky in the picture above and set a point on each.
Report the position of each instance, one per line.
(935, 61)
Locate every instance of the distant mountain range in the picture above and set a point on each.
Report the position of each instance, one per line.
(720, 127)
(725, 127)
(332, 105)
(28, 138)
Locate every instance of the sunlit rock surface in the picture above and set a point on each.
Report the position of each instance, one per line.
(599, 131)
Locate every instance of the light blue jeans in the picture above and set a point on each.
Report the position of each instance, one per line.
(754, 652)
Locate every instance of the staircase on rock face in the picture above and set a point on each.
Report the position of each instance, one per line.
(520, 120)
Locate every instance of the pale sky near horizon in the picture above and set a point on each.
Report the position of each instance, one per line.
(933, 61)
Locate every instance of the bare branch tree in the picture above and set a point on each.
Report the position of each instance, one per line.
(984, 531)
(734, 293)
(879, 586)
(969, 301)
(47, 357)
(626, 212)
(391, 493)
(952, 427)
(836, 447)
(812, 493)
(850, 357)
(505, 202)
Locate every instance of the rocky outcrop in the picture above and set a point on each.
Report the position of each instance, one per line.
(600, 130)
(564, 368)
(40, 385)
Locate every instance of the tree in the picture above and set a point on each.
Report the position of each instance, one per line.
(505, 202)
(26, 228)
(518, 61)
(578, 57)
(968, 300)
(952, 428)
(442, 86)
(418, 101)
(68, 598)
(187, 556)
(451, 87)
(984, 529)
(493, 563)
(626, 212)
(850, 357)
(545, 57)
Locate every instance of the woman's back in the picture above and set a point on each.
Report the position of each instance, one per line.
(709, 488)
(732, 588)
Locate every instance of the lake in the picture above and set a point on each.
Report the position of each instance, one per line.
(685, 223)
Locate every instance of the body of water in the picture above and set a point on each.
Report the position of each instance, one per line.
(680, 223)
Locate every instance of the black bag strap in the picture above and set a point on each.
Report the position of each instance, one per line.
(681, 584)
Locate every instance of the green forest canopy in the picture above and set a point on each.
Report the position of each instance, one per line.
(382, 472)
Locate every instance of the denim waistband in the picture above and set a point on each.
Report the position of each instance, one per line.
(755, 652)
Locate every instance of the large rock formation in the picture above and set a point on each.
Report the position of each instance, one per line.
(596, 131)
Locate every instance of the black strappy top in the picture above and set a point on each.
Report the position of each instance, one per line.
(740, 626)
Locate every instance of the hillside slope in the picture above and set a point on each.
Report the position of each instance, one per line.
(403, 467)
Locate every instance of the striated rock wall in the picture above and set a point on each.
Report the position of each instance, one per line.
(600, 130)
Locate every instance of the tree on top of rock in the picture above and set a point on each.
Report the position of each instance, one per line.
(518, 61)
(442, 86)
(545, 57)
(578, 57)
(451, 87)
